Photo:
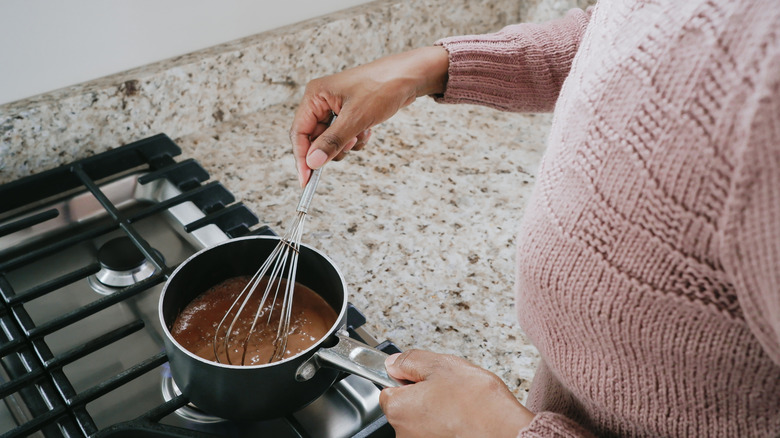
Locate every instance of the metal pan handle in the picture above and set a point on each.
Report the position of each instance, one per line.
(351, 356)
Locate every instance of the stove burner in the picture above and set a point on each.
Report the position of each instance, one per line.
(189, 411)
(121, 264)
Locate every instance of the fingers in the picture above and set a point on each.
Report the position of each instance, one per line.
(310, 121)
(362, 140)
(449, 397)
(315, 141)
(348, 147)
(418, 365)
(356, 144)
(341, 136)
(301, 144)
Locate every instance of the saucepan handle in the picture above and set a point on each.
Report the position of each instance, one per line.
(351, 356)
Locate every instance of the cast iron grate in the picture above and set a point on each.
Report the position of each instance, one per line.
(38, 375)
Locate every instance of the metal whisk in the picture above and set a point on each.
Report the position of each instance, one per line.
(284, 258)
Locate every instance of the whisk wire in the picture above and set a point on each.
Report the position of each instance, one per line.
(274, 280)
(250, 286)
(246, 293)
(283, 330)
(283, 264)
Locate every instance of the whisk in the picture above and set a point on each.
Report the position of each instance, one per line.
(283, 259)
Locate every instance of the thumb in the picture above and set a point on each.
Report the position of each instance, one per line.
(413, 365)
(340, 135)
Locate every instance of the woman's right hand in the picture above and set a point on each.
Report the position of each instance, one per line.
(362, 97)
(449, 396)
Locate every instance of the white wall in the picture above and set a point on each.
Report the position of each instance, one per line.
(50, 44)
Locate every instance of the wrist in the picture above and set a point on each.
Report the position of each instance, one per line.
(513, 422)
(433, 70)
(418, 72)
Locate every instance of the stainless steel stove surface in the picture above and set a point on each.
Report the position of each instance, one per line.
(84, 252)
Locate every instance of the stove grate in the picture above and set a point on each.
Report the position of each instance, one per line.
(36, 374)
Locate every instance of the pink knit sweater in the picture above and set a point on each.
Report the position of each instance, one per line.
(649, 261)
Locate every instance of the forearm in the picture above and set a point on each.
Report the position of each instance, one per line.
(414, 73)
(429, 65)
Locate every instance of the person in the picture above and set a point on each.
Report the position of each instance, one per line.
(648, 265)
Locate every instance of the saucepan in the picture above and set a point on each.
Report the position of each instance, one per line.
(270, 390)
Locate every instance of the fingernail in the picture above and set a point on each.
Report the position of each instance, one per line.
(391, 359)
(316, 159)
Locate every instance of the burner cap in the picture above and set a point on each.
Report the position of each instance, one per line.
(121, 264)
(120, 254)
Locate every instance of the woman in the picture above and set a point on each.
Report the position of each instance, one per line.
(649, 258)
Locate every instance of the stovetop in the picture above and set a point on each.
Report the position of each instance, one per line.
(84, 252)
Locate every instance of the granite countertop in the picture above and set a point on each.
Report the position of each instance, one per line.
(422, 222)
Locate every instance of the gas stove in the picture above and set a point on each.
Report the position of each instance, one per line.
(84, 252)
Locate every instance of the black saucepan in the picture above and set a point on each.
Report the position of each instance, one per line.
(269, 390)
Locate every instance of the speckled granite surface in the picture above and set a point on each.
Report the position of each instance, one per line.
(422, 222)
(182, 95)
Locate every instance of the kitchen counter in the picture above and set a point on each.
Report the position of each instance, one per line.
(422, 222)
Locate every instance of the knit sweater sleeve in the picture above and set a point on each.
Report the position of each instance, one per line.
(552, 425)
(520, 68)
(751, 225)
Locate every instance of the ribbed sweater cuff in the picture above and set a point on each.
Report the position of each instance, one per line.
(520, 68)
(552, 425)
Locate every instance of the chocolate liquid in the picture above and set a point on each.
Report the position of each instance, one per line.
(194, 328)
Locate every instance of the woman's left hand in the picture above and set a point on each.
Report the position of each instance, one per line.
(449, 397)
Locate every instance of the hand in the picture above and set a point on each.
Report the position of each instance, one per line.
(362, 97)
(451, 398)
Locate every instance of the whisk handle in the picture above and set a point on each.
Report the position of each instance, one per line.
(308, 191)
